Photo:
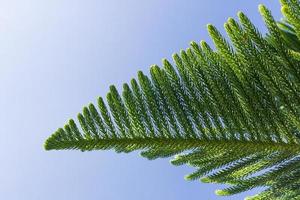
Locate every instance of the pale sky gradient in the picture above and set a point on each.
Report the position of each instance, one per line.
(57, 56)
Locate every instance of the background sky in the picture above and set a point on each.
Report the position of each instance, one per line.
(57, 56)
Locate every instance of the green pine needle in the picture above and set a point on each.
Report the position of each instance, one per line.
(232, 113)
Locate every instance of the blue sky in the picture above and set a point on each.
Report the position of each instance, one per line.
(57, 56)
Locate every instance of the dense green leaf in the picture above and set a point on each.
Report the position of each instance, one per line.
(233, 113)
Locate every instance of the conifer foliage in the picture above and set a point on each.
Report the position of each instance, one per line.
(232, 113)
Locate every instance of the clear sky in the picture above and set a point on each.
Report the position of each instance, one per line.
(57, 56)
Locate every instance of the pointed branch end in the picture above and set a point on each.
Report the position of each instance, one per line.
(222, 193)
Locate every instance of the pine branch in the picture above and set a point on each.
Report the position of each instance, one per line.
(58, 143)
(232, 113)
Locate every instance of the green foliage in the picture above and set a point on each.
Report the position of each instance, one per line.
(232, 113)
